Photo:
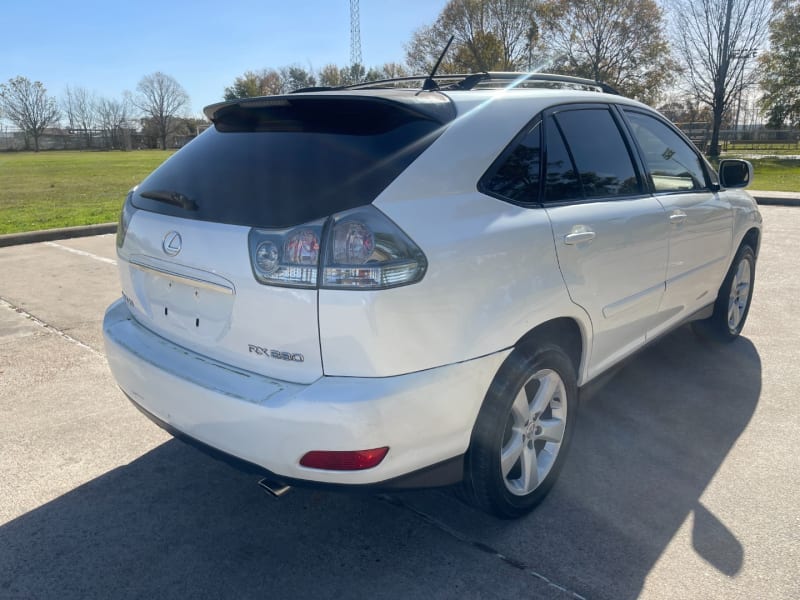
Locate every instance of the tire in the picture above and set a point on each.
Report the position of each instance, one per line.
(733, 300)
(528, 417)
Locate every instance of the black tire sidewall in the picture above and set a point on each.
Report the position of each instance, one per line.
(484, 477)
(720, 317)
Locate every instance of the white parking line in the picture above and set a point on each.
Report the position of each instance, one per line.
(109, 261)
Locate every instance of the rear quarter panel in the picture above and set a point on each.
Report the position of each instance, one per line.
(492, 268)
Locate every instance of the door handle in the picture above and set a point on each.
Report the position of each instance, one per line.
(579, 237)
(677, 217)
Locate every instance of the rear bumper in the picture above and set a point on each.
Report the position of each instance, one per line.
(425, 418)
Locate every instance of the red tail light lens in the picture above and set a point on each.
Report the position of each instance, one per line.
(350, 460)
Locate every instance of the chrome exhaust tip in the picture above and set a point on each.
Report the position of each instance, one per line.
(276, 489)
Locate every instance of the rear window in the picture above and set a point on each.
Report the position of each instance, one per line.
(289, 162)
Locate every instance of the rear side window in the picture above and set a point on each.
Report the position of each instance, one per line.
(598, 152)
(672, 163)
(288, 163)
(517, 177)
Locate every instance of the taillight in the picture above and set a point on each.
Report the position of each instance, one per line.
(357, 249)
(288, 257)
(125, 216)
(365, 250)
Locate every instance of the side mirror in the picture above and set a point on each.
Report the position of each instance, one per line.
(735, 173)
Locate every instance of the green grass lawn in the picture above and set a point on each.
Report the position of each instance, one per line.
(776, 174)
(60, 189)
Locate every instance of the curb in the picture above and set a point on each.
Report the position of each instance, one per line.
(62, 233)
(775, 201)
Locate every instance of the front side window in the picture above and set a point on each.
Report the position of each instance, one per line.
(672, 164)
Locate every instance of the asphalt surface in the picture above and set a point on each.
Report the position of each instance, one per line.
(682, 482)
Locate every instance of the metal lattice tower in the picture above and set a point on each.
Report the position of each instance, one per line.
(355, 34)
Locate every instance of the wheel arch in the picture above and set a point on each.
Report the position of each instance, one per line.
(566, 332)
(481, 461)
(753, 239)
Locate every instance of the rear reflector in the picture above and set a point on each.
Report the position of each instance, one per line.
(355, 460)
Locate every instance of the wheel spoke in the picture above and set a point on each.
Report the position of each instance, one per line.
(534, 432)
(743, 291)
(530, 470)
(734, 312)
(546, 458)
(511, 453)
(552, 430)
(739, 294)
(520, 410)
(548, 385)
(740, 271)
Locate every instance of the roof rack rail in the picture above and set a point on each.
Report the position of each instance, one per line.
(381, 82)
(468, 81)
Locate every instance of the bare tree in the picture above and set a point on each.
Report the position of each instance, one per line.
(161, 98)
(80, 108)
(26, 104)
(716, 39)
(619, 42)
(114, 116)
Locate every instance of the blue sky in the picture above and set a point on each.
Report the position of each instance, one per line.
(107, 46)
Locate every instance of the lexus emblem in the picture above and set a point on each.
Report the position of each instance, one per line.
(172, 243)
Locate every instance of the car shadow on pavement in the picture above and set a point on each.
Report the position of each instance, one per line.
(647, 443)
(174, 523)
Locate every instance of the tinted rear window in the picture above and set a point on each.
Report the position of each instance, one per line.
(280, 166)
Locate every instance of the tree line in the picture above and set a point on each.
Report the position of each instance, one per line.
(156, 108)
(708, 50)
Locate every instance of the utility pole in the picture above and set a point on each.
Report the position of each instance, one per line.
(355, 35)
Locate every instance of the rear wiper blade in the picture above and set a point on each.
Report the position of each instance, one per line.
(174, 198)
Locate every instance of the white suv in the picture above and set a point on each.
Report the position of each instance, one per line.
(399, 288)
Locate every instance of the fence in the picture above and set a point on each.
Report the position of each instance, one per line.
(758, 139)
(64, 139)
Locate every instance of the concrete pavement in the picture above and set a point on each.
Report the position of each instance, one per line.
(681, 483)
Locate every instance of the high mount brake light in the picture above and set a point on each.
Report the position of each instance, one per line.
(356, 249)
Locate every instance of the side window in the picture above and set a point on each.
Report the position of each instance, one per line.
(673, 164)
(561, 177)
(599, 153)
(517, 177)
